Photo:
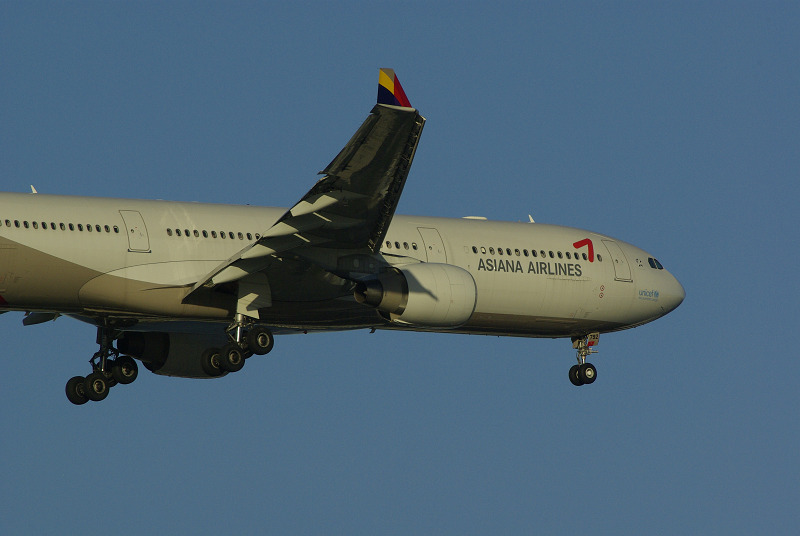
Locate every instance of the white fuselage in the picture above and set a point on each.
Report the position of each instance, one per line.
(120, 257)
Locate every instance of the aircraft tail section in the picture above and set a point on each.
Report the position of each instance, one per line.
(390, 91)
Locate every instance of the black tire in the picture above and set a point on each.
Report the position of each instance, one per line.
(125, 370)
(96, 387)
(587, 373)
(75, 390)
(260, 340)
(231, 358)
(210, 361)
(574, 376)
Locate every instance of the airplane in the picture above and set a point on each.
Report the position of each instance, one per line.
(194, 289)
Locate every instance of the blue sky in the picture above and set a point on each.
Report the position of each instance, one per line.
(673, 126)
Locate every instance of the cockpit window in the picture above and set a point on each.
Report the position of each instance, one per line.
(654, 263)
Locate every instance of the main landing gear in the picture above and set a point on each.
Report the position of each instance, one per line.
(108, 369)
(246, 338)
(584, 373)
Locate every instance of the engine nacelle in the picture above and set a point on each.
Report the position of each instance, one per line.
(424, 295)
(170, 354)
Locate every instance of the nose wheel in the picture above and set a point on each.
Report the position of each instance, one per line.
(584, 373)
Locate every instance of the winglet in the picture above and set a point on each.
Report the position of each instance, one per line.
(390, 91)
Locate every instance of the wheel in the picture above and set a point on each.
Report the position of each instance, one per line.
(125, 370)
(95, 386)
(209, 360)
(574, 376)
(587, 373)
(231, 358)
(75, 391)
(260, 340)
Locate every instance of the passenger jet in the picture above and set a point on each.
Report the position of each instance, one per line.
(193, 290)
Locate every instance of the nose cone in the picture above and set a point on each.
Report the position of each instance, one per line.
(672, 294)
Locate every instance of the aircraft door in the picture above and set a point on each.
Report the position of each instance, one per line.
(138, 240)
(434, 247)
(622, 270)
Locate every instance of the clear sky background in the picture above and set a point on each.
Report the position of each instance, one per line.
(673, 126)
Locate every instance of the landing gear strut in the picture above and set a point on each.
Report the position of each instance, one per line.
(109, 368)
(584, 373)
(246, 338)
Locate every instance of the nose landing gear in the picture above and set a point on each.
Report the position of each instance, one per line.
(109, 368)
(584, 373)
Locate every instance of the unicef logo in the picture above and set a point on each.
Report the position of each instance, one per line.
(648, 295)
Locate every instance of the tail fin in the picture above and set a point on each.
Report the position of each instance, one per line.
(390, 91)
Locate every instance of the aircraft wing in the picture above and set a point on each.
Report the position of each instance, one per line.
(351, 206)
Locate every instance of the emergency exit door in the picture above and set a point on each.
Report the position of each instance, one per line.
(622, 270)
(432, 242)
(137, 232)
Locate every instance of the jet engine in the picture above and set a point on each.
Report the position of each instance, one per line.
(170, 354)
(425, 295)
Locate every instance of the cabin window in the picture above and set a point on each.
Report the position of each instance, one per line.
(414, 246)
(249, 236)
(491, 251)
(499, 251)
(205, 233)
(116, 229)
(525, 252)
(516, 252)
(8, 223)
(474, 249)
(405, 245)
(89, 228)
(169, 232)
(560, 255)
(36, 225)
(71, 227)
(599, 258)
(16, 224)
(483, 250)
(230, 235)
(240, 235)
(196, 233)
(80, 227)
(397, 245)
(213, 234)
